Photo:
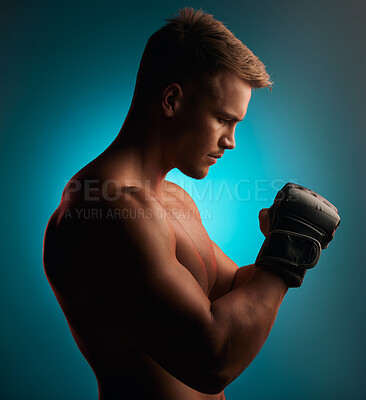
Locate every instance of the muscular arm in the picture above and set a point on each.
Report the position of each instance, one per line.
(202, 343)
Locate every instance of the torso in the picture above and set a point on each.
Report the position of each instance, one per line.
(119, 364)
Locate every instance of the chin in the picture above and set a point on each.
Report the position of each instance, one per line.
(194, 172)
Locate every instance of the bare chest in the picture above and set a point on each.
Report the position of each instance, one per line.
(193, 246)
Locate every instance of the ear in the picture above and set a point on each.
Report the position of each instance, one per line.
(171, 99)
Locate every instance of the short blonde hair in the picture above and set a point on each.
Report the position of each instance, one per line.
(195, 46)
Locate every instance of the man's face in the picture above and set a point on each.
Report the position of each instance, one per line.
(206, 123)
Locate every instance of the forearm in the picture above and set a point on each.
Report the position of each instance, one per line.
(243, 274)
(243, 318)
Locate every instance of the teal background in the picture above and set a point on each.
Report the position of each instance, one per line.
(67, 74)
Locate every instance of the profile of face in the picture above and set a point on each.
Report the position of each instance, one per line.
(202, 123)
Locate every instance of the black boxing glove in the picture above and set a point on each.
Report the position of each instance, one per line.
(301, 223)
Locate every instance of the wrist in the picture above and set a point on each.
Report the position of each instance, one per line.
(288, 255)
(268, 273)
(265, 286)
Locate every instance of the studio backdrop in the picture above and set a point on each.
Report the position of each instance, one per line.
(67, 75)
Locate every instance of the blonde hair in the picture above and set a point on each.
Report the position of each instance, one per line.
(195, 46)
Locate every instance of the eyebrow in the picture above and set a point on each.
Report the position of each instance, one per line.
(231, 116)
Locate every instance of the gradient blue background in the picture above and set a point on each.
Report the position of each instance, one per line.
(67, 74)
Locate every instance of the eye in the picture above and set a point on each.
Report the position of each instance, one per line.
(223, 121)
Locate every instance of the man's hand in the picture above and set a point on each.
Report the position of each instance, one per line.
(297, 226)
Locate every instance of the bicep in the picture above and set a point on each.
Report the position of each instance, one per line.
(162, 306)
(169, 315)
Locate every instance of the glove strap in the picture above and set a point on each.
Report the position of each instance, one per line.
(289, 255)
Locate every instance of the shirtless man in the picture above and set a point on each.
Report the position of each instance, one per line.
(156, 308)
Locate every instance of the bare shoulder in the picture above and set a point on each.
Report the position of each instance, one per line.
(107, 235)
(140, 214)
(133, 211)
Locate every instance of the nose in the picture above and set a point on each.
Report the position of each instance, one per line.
(227, 141)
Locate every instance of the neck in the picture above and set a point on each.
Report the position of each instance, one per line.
(141, 150)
